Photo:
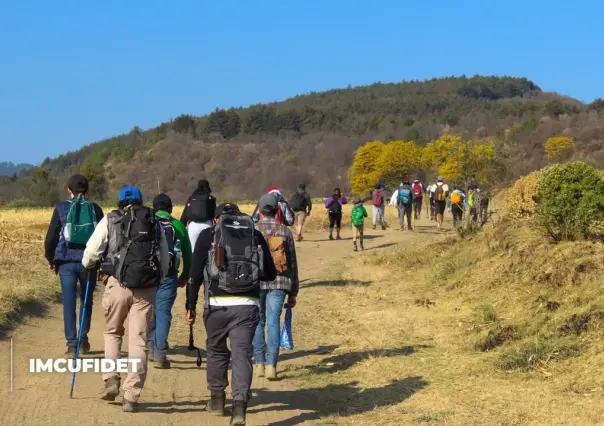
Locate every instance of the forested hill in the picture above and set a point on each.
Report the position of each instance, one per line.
(312, 138)
(9, 169)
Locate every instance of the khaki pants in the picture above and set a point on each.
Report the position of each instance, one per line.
(137, 305)
(300, 218)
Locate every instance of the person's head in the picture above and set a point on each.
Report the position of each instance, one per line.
(130, 195)
(406, 182)
(162, 202)
(302, 187)
(358, 201)
(268, 205)
(337, 192)
(439, 179)
(77, 185)
(203, 186)
(225, 208)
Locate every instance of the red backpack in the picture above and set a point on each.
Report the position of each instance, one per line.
(417, 190)
(378, 199)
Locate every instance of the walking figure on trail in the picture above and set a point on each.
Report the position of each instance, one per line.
(418, 196)
(285, 214)
(458, 199)
(334, 209)
(199, 210)
(441, 192)
(359, 213)
(405, 204)
(379, 208)
(301, 204)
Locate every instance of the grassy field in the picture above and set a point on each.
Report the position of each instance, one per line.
(26, 284)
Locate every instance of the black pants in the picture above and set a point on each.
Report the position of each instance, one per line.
(457, 211)
(335, 220)
(417, 207)
(404, 212)
(238, 324)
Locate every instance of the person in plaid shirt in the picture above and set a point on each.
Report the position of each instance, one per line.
(272, 293)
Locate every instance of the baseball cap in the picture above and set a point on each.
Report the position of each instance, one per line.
(162, 202)
(226, 208)
(131, 193)
(268, 201)
(78, 184)
(440, 178)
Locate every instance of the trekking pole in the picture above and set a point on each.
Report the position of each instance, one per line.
(192, 346)
(77, 353)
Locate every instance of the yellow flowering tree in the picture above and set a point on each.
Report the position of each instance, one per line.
(364, 173)
(559, 148)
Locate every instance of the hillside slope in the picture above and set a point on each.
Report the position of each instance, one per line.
(313, 137)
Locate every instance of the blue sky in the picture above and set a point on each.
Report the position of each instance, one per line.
(75, 72)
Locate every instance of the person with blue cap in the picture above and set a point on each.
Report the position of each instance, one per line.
(133, 252)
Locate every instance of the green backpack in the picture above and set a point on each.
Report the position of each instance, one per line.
(358, 215)
(81, 221)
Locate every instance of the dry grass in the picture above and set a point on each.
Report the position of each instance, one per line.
(503, 328)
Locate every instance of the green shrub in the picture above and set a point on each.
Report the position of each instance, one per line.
(570, 198)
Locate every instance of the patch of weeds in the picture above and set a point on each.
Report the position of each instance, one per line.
(552, 306)
(427, 418)
(498, 337)
(581, 323)
(486, 313)
(426, 303)
(447, 269)
(538, 353)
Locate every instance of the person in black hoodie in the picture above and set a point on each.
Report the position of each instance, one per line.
(227, 316)
(66, 261)
(199, 211)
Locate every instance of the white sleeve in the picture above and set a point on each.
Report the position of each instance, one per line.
(95, 247)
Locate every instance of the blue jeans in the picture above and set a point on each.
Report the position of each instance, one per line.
(70, 274)
(271, 305)
(164, 300)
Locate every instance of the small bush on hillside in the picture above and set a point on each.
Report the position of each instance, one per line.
(571, 199)
(520, 199)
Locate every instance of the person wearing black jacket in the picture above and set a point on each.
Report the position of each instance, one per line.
(227, 316)
(66, 262)
(190, 215)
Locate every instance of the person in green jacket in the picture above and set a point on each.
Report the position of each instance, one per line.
(359, 213)
(180, 246)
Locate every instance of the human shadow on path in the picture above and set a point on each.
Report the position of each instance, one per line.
(347, 238)
(337, 283)
(173, 407)
(343, 400)
(321, 350)
(381, 246)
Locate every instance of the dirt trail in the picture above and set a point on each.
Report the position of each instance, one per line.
(175, 396)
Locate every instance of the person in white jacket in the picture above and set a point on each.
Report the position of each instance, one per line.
(120, 301)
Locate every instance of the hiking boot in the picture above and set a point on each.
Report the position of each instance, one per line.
(338, 238)
(300, 238)
(259, 370)
(373, 227)
(362, 248)
(111, 391)
(331, 237)
(238, 414)
(71, 350)
(129, 406)
(84, 347)
(162, 365)
(216, 403)
(355, 246)
(271, 373)
(383, 228)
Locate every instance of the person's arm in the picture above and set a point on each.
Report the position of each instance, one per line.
(256, 214)
(184, 217)
(164, 251)
(343, 200)
(292, 261)
(364, 212)
(270, 272)
(96, 245)
(308, 204)
(185, 247)
(198, 265)
(53, 235)
(328, 202)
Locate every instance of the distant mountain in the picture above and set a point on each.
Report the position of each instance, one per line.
(8, 168)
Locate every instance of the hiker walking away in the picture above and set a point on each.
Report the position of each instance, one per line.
(485, 196)
(441, 192)
(334, 209)
(71, 226)
(133, 250)
(280, 240)
(179, 247)
(405, 204)
(379, 209)
(418, 196)
(285, 214)
(199, 210)
(472, 200)
(394, 197)
(301, 204)
(231, 259)
(431, 191)
(358, 215)
(457, 205)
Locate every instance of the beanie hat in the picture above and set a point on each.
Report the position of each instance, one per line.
(162, 202)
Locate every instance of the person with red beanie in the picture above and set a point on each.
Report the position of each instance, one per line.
(285, 214)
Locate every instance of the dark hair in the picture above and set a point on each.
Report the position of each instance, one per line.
(269, 211)
(203, 186)
(337, 191)
(125, 203)
(302, 186)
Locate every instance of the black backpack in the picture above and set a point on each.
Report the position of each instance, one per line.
(168, 228)
(201, 208)
(298, 201)
(235, 261)
(335, 207)
(137, 263)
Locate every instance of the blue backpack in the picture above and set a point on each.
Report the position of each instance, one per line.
(404, 196)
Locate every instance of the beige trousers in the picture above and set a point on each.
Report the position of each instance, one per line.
(137, 305)
(300, 219)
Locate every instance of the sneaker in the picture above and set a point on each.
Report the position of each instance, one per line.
(162, 365)
(355, 246)
(129, 406)
(271, 373)
(362, 248)
(383, 228)
(111, 391)
(331, 237)
(216, 403)
(259, 370)
(238, 415)
(373, 226)
(338, 238)
(71, 350)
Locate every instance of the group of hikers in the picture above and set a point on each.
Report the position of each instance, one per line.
(247, 266)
